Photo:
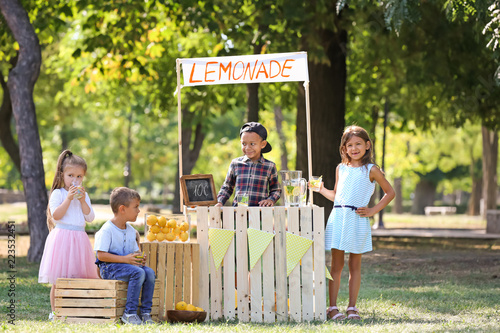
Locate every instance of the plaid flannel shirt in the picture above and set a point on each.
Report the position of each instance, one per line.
(258, 180)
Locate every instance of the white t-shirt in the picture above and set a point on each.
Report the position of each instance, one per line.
(114, 240)
(74, 215)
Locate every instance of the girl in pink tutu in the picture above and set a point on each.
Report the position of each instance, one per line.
(67, 252)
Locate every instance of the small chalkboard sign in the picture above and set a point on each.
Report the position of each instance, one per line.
(198, 190)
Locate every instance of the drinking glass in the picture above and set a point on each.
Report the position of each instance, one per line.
(315, 182)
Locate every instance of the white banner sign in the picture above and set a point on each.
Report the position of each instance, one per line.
(279, 67)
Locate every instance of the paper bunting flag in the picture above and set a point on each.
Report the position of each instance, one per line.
(219, 239)
(296, 247)
(328, 275)
(258, 241)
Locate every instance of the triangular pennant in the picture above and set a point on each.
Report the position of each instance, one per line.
(296, 247)
(258, 241)
(219, 239)
(328, 275)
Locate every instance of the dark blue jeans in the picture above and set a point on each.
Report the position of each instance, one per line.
(138, 277)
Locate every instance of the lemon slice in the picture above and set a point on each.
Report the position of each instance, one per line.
(296, 190)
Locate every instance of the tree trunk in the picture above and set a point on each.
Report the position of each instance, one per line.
(425, 193)
(490, 160)
(252, 102)
(473, 207)
(278, 116)
(127, 173)
(189, 155)
(21, 82)
(397, 208)
(253, 93)
(6, 137)
(327, 98)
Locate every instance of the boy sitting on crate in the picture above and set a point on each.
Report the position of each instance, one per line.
(119, 257)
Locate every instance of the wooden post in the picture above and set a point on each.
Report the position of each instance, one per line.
(179, 128)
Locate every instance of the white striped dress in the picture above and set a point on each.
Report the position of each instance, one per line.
(346, 230)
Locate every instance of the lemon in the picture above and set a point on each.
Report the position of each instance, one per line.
(190, 307)
(151, 237)
(183, 236)
(296, 191)
(184, 226)
(160, 237)
(165, 230)
(171, 223)
(152, 220)
(155, 229)
(176, 231)
(199, 309)
(170, 236)
(181, 306)
(162, 221)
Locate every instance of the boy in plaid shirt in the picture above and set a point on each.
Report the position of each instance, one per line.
(252, 175)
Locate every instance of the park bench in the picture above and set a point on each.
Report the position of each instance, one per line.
(443, 210)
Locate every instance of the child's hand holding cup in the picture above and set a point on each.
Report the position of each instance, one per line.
(315, 183)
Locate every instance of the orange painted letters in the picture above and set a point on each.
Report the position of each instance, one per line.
(285, 66)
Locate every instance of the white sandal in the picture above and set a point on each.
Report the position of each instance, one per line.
(354, 315)
(338, 316)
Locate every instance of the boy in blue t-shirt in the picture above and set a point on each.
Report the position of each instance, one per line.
(119, 257)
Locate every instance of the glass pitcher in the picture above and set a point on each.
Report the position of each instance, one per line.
(294, 188)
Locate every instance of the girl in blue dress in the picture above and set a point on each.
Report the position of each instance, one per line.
(348, 227)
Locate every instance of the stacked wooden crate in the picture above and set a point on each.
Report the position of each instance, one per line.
(94, 300)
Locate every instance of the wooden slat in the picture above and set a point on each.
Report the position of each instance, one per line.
(170, 278)
(83, 320)
(215, 275)
(87, 312)
(268, 264)
(255, 273)
(86, 303)
(242, 264)
(146, 247)
(229, 286)
(294, 277)
(195, 288)
(280, 256)
(153, 256)
(186, 268)
(307, 266)
(319, 263)
(90, 293)
(64, 283)
(160, 277)
(179, 257)
(202, 235)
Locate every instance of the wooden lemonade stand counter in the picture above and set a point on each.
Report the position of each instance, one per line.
(264, 293)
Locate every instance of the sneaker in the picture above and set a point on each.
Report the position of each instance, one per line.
(146, 319)
(131, 318)
(52, 316)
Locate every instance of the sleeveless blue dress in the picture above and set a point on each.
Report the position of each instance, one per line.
(346, 230)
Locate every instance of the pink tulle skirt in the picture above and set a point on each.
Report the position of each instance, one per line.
(67, 254)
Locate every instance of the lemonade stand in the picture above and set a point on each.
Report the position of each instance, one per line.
(277, 253)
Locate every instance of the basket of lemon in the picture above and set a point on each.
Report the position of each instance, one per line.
(163, 229)
(186, 313)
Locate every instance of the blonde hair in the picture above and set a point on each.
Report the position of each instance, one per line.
(122, 196)
(66, 158)
(360, 132)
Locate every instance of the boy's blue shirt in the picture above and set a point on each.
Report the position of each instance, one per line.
(114, 240)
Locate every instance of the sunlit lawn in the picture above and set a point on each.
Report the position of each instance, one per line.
(403, 290)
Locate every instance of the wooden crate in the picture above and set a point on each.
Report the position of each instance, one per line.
(177, 268)
(94, 300)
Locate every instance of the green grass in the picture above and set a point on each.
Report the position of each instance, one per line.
(13, 212)
(458, 221)
(420, 289)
